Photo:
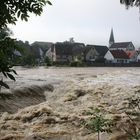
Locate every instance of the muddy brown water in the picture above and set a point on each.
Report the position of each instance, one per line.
(48, 103)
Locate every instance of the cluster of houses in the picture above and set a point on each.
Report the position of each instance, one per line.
(71, 51)
(116, 52)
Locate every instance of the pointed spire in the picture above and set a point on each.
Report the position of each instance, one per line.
(111, 39)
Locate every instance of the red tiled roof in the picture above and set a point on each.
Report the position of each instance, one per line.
(131, 53)
(119, 54)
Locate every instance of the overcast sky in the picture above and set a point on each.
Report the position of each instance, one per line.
(88, 21)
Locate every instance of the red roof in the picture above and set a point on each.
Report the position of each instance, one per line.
(119, 54)
(130, 53)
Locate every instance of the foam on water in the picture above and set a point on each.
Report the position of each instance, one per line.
(75, 90)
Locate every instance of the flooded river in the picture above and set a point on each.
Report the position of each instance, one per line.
(56, 75)
(49, 103)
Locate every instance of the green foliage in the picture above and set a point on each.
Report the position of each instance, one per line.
(11, 10)
(5, 32)
(76, 64)
(60, 63)
(97, 122)
(28, 60)
(129, 3)
(7, 48)
(48, 61)
(133, 129)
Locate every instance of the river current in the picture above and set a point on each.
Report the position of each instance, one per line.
(50, 103)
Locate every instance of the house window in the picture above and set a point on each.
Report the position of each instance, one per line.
(90, 57)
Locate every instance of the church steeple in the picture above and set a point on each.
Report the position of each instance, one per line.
(111, 39)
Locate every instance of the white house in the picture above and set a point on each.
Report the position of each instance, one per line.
(109, 57)
(132, 55)
(51, 53)
(65, 51)
(117, 56)
(138, 58)
(125, 46)
(120, 56)
(95, 52)
(90, 54)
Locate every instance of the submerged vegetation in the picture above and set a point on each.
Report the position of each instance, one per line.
(97, 123)
(58, 119)
(133, 114)
(82, 105)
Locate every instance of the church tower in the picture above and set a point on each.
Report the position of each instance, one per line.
(111, 39)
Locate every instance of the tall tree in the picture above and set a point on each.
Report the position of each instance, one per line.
(7, 48)
(10, 12)
(129, 3)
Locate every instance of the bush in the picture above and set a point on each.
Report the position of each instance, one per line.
(132, 129)
(97, 123)
(100, 60)
(76, 64)
(48, 62)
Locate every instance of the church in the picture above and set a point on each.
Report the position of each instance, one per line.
(120, 52)
(125, 46)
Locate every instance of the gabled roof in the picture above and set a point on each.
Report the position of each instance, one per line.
(119, 54)
(67, 48)
(35, 51)
(43, 45)
(120, 45)
(87, 49)
(101, 50)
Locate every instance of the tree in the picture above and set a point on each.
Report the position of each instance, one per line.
(129, 3)
(11, 10)
(132, 126)
(48, 61)
(97, 122)
(7, 48)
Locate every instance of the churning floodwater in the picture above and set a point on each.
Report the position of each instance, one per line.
(56, 75)
(49, 103)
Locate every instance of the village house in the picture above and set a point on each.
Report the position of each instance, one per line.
(65, 52)
(42, 47)
(38, 49)
(118, 52)
(94, 52)
(121, 56)
(109, 58)
(132, 55)
(138, 57)
(90, 54)
(124, 48)
(117, 56)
